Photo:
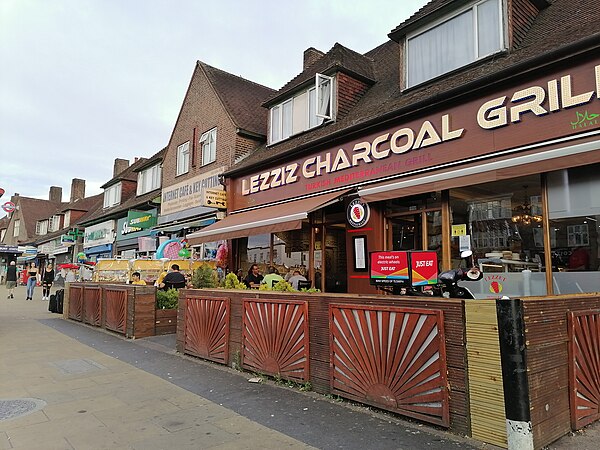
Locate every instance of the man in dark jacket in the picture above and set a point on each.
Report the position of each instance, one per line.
(174, 279)
(11, 279)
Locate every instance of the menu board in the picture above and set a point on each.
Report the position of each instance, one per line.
(389, 268)
(424, 268)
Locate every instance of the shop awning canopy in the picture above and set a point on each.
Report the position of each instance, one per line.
(270, 219)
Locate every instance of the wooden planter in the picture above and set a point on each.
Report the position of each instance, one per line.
(124, 309)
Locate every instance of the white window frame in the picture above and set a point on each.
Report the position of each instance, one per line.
(112, 195)
(183, 159)
(476, 57)
(315, 118)
(67, 220)
(17, 228)
(149, 179)
(41, 227)
(54, 223)
(208, 141)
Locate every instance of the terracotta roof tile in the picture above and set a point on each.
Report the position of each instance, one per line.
(242, 98)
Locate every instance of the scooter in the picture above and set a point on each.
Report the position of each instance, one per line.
(449, 279)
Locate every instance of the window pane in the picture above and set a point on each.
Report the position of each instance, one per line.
(286, 120)
(444, 48)
(323, 97)
(275, 124)
(488, 24)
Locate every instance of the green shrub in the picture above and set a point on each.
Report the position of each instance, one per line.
(204, 277)
(231, 282)
(167, 299)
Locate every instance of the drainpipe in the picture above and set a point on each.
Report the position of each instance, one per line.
(511, 332)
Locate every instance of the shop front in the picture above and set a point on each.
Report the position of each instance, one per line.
(137, 224)
(511, 174)
(98, 240)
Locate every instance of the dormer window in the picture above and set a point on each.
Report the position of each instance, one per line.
(112, 195)
(41, 227)
(454, 41)
(306, 110)
(54, 224)
(149, 179)
(208, 141)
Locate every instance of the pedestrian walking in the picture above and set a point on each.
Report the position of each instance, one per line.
(47, 280)
(32, 273)
(11, 279)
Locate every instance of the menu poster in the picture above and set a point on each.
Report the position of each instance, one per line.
(424, 267)
(389, 267)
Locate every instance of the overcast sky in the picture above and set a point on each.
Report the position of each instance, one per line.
(83, 82)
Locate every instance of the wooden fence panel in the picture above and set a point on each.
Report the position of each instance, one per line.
(92, 306)
(584, 367)
(76, 303)
(115, 310)
(391, 357)
(275, 338)
(206, 329)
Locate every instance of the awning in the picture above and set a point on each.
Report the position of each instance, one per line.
(177, 226)
(270, 219)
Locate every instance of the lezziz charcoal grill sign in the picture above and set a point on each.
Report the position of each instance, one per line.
(358, 213)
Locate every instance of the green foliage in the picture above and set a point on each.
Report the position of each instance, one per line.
(167, 299)
(309, 290)
(231, 282)
(280, 286)
(204, 277)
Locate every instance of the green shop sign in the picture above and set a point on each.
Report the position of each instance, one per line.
(141, 219)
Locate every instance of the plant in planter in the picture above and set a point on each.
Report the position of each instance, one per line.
(167, 299)
(231, 282)
(204, 277)
(280, 286)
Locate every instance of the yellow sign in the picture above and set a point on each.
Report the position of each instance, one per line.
(215, 198)
(459, 230)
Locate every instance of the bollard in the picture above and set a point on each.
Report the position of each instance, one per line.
(511, 333)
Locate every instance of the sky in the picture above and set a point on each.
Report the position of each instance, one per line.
(83, 82)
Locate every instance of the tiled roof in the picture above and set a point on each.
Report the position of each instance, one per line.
(241, 98)
(35, 209)
(154, 159)
(101, 214)
(339, 58)
(549, 34)
(83, 204)
(128, 174)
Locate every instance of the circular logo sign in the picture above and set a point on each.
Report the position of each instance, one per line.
(358, 213)
(9, 207)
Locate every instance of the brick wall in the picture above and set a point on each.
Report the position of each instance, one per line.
(349, 92)
(201, 111)
(521, 14)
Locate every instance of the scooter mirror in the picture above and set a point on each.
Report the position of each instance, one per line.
(466, 253)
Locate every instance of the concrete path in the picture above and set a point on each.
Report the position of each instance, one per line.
(83, 388)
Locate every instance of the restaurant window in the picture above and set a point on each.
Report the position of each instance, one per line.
(574, 214)
(467, 35)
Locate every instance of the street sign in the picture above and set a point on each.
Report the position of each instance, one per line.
(215, 198)
(75, 232)
(9, 207)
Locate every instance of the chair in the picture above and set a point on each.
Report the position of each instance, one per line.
(304, 284)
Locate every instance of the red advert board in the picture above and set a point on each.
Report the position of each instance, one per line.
(424, 268)
(389, 267)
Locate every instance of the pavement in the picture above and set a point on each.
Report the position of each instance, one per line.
(65, 385)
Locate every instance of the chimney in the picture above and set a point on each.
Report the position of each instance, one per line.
(77, 189)
(120, 166)
(311, 55)
(55, 195)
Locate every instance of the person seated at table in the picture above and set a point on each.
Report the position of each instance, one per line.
(254, 277)
(136, 279)
(296, 276)
(174, 279)
(272, 277)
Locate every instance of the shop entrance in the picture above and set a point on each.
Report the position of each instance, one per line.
(329, 227)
